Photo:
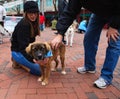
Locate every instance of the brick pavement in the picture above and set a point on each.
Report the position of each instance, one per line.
(18, 84)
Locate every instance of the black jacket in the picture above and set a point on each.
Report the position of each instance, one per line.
(61, 5)
(105, 8)
(21, 38)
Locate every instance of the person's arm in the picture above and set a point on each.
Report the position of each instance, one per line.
(114, 25)
(23, 36)
(69, 13)
(41, 62)
(112, 32)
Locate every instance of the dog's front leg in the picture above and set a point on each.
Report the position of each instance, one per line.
(56, 64)
(42, 72)
(62, 58)
(46, 75)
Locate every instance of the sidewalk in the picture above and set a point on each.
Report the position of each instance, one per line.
(18, 84)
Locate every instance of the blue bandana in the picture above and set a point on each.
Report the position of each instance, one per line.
(49, 54)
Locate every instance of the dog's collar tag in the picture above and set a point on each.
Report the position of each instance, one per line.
(49, 54)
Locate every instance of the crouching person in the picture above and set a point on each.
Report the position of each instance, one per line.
(25, 32)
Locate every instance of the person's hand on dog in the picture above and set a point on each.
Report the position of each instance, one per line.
(113, 34)
(41, 62)
(56, 41)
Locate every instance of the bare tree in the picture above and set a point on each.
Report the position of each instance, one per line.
(17, 9)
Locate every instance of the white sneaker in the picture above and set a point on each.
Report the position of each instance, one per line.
(82, 70)
(101, 83)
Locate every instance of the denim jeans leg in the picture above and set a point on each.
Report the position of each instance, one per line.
(112, 56)
(91, 40)
(41, 27)
(19, 58)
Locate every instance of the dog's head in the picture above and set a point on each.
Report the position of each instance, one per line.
(38, 50)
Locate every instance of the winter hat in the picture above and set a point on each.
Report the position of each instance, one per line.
(31, 6)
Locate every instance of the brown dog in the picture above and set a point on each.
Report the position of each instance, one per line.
(38, 51)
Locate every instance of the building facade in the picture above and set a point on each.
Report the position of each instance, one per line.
(16, 6)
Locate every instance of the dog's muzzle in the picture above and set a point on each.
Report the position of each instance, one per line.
(39, 55)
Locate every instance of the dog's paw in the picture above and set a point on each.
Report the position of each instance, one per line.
(63, 72)
(53, 70)
(66, 44)
(39, 79)
(43, 83)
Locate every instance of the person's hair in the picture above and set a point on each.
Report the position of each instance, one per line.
(34, 30)
(41, 13)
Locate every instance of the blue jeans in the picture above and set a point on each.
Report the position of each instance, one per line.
(41, 27)
(91, 41)
(19, 58)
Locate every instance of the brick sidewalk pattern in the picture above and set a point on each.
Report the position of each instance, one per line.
(19, 84)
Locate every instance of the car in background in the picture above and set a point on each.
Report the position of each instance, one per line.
(10, 22)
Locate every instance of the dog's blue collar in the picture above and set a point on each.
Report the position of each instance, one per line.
(49, 54)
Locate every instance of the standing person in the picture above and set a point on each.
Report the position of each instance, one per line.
(25, 32)
(104, 11)
(2, 15)
(54, 22)
(42, 21)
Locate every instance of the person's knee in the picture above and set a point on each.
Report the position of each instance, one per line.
(36, 70)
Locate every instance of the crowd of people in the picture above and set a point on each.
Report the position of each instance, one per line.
(103, 11)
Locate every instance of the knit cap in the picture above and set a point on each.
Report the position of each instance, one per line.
(31, 6)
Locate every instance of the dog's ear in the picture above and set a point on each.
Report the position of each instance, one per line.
(48, 47)
(28, 48)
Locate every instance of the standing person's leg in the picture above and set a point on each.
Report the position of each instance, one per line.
(111, 59)
(91, 40)
(41, 27)
(64, 40)
(19, 58)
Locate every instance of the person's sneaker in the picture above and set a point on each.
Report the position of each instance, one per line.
(101, 83)
(64, 41)
(82, 70)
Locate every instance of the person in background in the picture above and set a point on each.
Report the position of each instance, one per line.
(25, 32)
(42, 21)
(54, 22)
(2, 14)
(82, 26)
(103, 11)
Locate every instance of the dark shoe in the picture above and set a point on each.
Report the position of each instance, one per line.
(56, 33)
(64, 41)
(15, 65)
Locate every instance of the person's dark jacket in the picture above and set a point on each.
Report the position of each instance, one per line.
(21, 38)
(105, 8)
(61, 5)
